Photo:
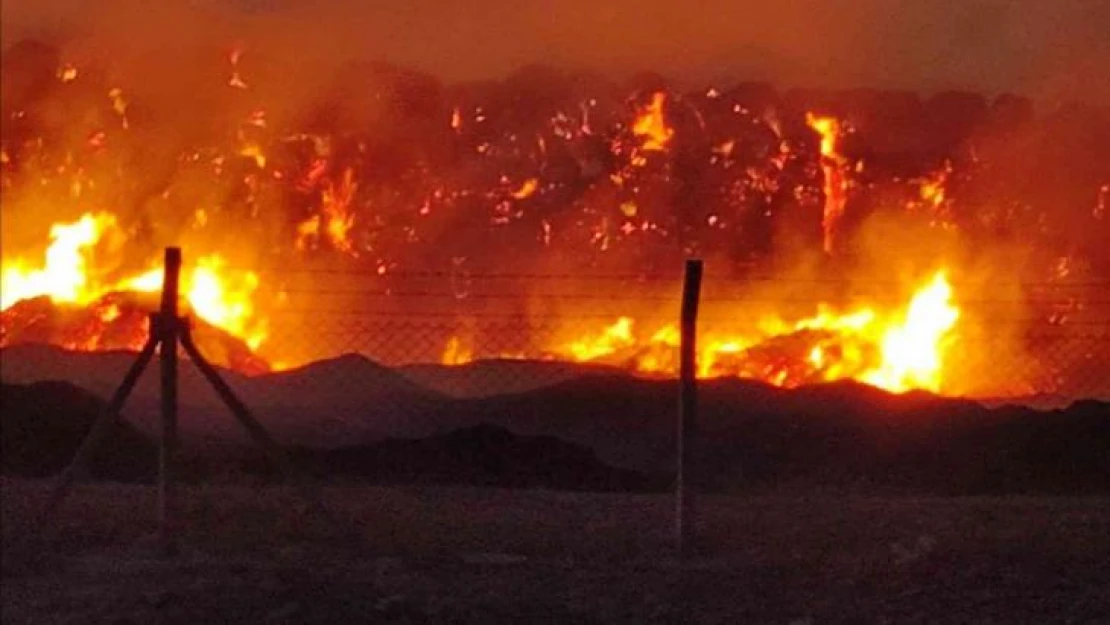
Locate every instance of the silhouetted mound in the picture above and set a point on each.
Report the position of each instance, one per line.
(844, 434)
(482, 455)
(483, 378)
(44, 423)
(342, 401)
(114, 322)
(751, 435)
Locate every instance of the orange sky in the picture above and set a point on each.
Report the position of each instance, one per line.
(1049, 50)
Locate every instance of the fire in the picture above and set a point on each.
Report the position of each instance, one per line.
(652, 126)
(933, 194)
(912, 351)
(214, 298)
(417, 184)
(456, 352)
(613, 338)
(834, 166)
(527, 188)
(64, 275)
(896, 351)
(336, 218)
(81, 256)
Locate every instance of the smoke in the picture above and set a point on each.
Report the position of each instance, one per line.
(1051, 51)
(178, 63)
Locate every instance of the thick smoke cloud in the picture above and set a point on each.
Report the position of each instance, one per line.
(1051, 51)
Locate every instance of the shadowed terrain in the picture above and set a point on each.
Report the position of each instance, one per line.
(350, 417)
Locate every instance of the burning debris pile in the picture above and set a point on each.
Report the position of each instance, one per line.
(920, 219)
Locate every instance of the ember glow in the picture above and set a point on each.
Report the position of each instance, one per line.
(898, 350)
(388, 191)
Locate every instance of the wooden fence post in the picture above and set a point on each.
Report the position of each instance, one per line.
(167, 328)
(685, 510)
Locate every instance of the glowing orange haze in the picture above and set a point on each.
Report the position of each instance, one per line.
(896, 349)
(899, 348)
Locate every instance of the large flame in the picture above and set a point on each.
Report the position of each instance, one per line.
(80, 267)
(566, 187)
(897, 350)
(63, 274)
(912, 351)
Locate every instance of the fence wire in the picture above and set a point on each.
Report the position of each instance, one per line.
(1015, 340)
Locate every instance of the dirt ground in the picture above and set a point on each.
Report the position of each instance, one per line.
(440, 555)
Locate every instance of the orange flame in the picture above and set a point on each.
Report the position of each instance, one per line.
(63, 276)
(893, 351)
(526, 189)
(651, 124)
(456, 353)
(912, 351)
(833, 164)
(82, 249)
(336, 218)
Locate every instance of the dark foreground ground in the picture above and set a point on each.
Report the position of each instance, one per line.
(434, 555)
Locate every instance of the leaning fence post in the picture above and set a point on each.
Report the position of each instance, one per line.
(167, 328)
(685, 512)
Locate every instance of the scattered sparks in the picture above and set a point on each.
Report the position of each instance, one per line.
(254, 152)
(236, 79)
(67, 73)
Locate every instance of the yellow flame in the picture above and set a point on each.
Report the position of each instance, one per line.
(254, 152)
(912, 351)
(896, 351)
(526, 189)
(64, 276)
(651, 124)
(212, 291)
(67, 73)
(214, 299)
(615, 337)
(456, 353)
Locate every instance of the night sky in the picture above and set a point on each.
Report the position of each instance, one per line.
(1049, 50)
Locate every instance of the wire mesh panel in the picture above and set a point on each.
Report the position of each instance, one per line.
(448, 330)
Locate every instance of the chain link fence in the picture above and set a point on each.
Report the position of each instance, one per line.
(448, 331)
